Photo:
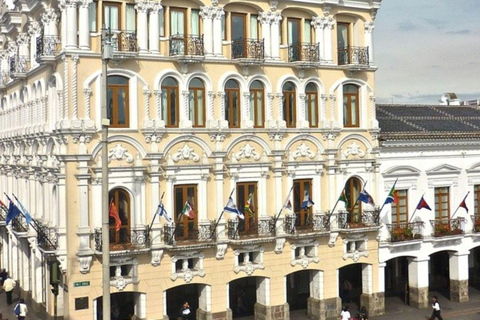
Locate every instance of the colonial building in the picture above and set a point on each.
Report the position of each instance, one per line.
(261, 104)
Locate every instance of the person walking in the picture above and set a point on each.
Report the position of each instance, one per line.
(345, 314)
(3, 276)
(185, 311)
(23, 310)
(8, 286)
(436, 309)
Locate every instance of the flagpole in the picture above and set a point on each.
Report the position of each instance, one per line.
(176, 223)
(153, 219)
(459, 205)
(410, 220)
(281, 209)
(221, 214)
(333, 210)
(387, 197)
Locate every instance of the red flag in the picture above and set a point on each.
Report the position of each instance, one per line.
(463, 205)
(113, 212)
(423, 205)
(395, 197)
(2, 204)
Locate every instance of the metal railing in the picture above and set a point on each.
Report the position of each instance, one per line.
(172, 234)
(256, 228)
(19, 224)
(317, 223)
(448, 227)
(248, 49)
(47, 237)
(405, 231)
(47, 46)
(19, 64)
(302, 51)
(128, 240)
(124, 41)
(189, 45)
(369, 218)
(353, 55)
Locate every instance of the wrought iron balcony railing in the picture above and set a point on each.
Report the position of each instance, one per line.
(248, 49)
(47, 237)
(4, 78)
(188, 45)
(302, 51)
(19, 64)
(173, 234)
(318, 223)
(47, 46)
(353, 55)
(369, 218)
(128, 240)
(476, 223)
(124, 41)
(448, 227)
(238, 229)
(405, 231)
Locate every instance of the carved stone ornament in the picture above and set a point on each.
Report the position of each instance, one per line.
(248, 152)
(221, 249)
(84, 263)
(185, 153)
(120, 153)
(279, 244)
(156, 257)
(354, 150)
(303, 151)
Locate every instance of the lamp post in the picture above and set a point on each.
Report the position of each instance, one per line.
(107, 53)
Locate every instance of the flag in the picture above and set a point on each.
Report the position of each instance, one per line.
(463, 205)
(188, 209)
(366, 197)
(307, 201)
(12, 213)
(423, 204)
(392, 195)
(343, 198)
(3, 204)
(247, 208)
(163, 213)
(113, 212)
(27, 215)
(231, 207)
(288, 205)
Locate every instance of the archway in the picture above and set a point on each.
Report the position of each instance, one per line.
(298, 290)
(123, 305)
(178, 295)
(243, 296)
(474, 268)
(439, 273)
(396, 278)
(350, 285)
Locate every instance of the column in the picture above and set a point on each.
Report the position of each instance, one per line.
(142, 26)
(275, 35)
(83, 229)
(154, 27)
(72, 25)
(318, 24)
(217, 32)
(458, 265)
(328, 40)
(369, 26)
(83, 26)
(207, 18)
(264, 18)
(418, 282)
(64, 17)
(315, 303)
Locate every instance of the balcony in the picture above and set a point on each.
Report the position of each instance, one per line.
(476, 223)
(317, 223)
(177, 235)
(405, 231)
(304, 54)
(4, 79)
(48, 47)
(448, 227)
(124, 44)
(124, 239)
(47, 237)
(242, 229)
(248, 51)
(355, 57)
(19, 66)
(19, 224)
(368, 219)
(188, 48)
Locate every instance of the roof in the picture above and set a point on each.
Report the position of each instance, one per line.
(428, 122)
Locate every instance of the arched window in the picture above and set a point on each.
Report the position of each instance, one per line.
(289, 104)
(232, 103)
(311, 104)
(170, 102)
(119, 216)
(351, 112)
(196, 110)
(117, 98)
(257, 104)
(353, 187)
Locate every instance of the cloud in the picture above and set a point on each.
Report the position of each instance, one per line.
(407, 26)
(464, 31)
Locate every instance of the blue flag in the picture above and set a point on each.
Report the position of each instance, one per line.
(12, 213)
(307, 201)
(163, 213)
(366, 198)
(27, 215)
(231, 207)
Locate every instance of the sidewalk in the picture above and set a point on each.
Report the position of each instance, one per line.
(6, 311)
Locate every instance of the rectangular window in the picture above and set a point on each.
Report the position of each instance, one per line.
(307, 31)
(238, 30)
(186, 198)
(131, 18)
(304, 216)
(254, 29)
(224, 27)
(442, 204)
(92, 16)
(111, 16)
(195, 23)
(246, 202)
(400, 209)
(476, 200)
(177, 22)
(161, 23)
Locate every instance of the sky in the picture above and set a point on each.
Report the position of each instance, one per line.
(425, 48)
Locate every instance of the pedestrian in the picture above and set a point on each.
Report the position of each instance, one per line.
(345, 314)
(23, 310)
(3, 276)
(241, 310)
(185, 311)
(436, 309)
(8, 286)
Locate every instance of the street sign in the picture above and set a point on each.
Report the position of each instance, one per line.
(81, 284)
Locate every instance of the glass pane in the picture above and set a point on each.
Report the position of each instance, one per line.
(173, 107)
(177, 23)
(238, 26)
(195, 23)
(293, 32)
(121, 103)
(111, 17)
(342, 35)
(307, 31)
(259, 110)
(131, 17)
(110, 103)
(353, 106)
(117, 80)
(161, 23)
(235, 110)
(191, 106)
(164, 104)
(92, 16)
(253, 27)
(200, 113)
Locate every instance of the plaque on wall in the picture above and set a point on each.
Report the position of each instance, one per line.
(81, 303)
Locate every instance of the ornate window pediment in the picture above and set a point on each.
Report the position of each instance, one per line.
(304, 253)
(187, 265)
(248, 259)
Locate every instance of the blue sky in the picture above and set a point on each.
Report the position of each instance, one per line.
(424, 48)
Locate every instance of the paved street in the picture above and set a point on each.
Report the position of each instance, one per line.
(395, 309)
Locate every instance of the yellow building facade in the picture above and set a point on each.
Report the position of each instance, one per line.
(256, 117)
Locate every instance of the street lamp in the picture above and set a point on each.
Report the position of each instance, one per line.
(107, 54)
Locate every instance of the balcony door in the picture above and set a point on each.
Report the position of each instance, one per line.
(186, 228)
(178, 27)
(246, 199)
(304, 216)
(294, 38)
(343, 42)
